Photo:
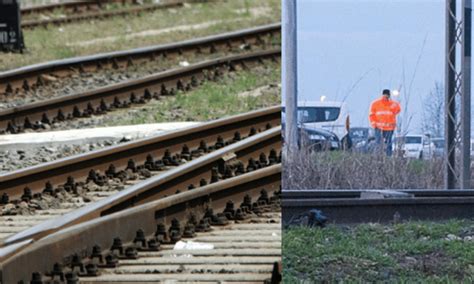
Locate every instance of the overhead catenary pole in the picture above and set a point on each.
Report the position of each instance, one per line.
(450, 106)
(458, 87)
(466, 96)
(289, 74)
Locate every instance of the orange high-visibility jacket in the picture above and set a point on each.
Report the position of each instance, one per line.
(383, 114)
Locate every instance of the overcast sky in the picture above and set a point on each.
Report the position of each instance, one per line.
(355, 48)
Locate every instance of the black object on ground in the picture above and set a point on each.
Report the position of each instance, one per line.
(311, 218)
(11, 38)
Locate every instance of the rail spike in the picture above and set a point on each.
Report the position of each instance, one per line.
(8, 89)
(36, 278)
(140, 238)
(4, 199)
(11, 128)
(147, 95)
(26, 86)
(76, 112)
(57, 271)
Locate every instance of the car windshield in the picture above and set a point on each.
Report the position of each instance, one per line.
(412, 140)
(317, 114)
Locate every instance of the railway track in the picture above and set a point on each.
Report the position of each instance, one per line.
(244, 251)
(32, 77)
(96, 13)
(362, 206)
(161, 211)
(72, 6)
(122, 95)
(55, 188)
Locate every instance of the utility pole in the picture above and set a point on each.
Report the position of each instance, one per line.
(289, 74)
(450, 104)
(466, 96)
(458, 86)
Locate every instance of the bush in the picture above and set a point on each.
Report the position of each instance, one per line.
(346, 170)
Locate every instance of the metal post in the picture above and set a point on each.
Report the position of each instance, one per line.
(289, 74)
(450, 85)
(11, 37)
(466, 96)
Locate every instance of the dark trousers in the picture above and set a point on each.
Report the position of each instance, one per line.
(383, 139)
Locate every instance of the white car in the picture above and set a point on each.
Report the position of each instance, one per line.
(433, 147)
(411, 146)
(472, 148)
(330, 116)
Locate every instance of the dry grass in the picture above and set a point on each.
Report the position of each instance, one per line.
(345, 170)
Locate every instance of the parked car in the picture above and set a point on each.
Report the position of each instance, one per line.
(329, 116)
(433, 148)
(409, 146)
(314, 138)
(319, 139)
(472, 148)
(362, 138)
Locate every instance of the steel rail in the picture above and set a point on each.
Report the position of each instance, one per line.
(349, 206)
(20, 261)
(356, 193)
(174, 145)
(122, 95)
(98, 15)
(29, 77)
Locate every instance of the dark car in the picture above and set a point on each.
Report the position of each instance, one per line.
(319, 139)
(316, 139)
(362, 138)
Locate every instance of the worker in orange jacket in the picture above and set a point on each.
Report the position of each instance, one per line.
(383, 118)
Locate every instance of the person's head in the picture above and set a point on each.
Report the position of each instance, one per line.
(386, 93)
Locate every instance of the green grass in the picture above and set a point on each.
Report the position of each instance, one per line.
(412, 252)
(62, 42)
(211, 100)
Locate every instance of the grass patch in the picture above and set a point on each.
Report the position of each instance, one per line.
(212, 100)
(63, 42)
(61, 12)
(412, 252)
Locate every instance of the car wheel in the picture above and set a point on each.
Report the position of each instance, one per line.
(421, 155)
(317, 147)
